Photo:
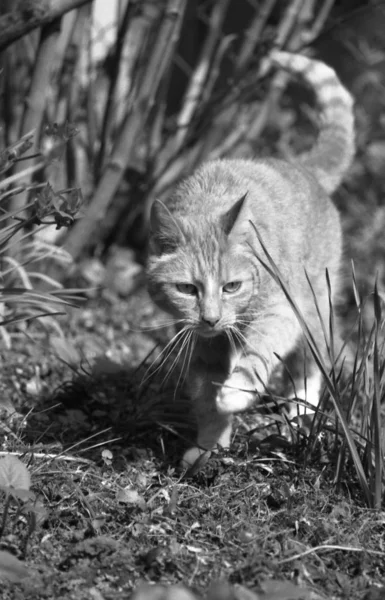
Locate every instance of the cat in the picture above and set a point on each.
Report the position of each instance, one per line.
(203, 268)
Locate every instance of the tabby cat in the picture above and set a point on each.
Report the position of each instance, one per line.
(235, 323)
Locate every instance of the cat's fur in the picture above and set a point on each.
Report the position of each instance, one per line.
(203, 245)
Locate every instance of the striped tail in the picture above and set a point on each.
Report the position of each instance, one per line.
(334, 150)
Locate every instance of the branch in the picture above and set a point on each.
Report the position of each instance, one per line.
(253, 34)
(199, 77)
(19, 22)
(37, 93)
(111, 97)
(126, 144)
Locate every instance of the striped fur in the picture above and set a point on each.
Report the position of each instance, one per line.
(235, 324)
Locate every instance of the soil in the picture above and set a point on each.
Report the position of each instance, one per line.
(102, 435)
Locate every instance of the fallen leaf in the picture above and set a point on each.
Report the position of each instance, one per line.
(130, 496)
(14, 473)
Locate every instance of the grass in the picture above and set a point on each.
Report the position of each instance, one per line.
(26, 290)
(266, 517)
(367, 382)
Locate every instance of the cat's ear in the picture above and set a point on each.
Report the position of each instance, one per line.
(234, 219)
(166, 234)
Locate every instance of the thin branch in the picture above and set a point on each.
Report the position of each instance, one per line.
(289, 32)
(289, 22)
(116, 68)
(330, 547)
(309, 36)
(50, 456)
(17, 23)
(37, 94)
(253, 34)
(198, 79)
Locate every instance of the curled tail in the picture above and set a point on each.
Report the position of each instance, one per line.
(333, 152)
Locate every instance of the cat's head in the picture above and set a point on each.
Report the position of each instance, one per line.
(200, 271)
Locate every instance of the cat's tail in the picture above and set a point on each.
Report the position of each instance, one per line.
(333, 152)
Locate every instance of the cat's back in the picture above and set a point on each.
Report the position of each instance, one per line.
(277, 191)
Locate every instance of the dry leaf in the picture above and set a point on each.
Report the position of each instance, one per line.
(14, 473)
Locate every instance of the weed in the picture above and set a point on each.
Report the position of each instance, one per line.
(367, 384)
(23, 256)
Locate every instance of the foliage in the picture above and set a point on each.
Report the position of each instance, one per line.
(367, 384)
(23, 256)
(15, 484)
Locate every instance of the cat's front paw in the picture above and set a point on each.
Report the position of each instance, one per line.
(191, 456)
(236, 395)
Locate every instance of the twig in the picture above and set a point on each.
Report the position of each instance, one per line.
(37, 93)
(25, 173)
(17, 23)
(329, 547)
(116, 68)
(51, 456)
(199, 76)
(309, 36)
(64, 67)
(289, 32)
(253, 34)
(289, 22)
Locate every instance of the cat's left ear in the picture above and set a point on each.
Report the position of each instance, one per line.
(165, 232)
(233, 220)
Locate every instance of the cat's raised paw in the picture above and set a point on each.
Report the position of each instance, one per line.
(232, 397)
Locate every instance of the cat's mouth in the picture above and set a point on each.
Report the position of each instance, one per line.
(208, 333)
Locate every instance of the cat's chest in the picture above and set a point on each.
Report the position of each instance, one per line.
(218, 353)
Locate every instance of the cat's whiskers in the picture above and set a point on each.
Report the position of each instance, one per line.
(244, 342)
(164, 354)
(240, 338)
(184, 343)
(191, 339)
(156, 327)
(230, 336)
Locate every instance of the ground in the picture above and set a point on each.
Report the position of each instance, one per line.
(116, 511)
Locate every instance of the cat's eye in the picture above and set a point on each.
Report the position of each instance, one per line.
(187, 288)
(232, 286)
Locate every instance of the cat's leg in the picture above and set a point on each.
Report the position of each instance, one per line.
(302, 379)
(275, 338)
(308, 379)
(213, 431)
(213, 428)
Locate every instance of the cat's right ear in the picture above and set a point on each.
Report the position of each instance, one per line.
(165, 233)
(234, 219)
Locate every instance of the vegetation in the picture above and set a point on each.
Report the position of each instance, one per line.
(93, 501)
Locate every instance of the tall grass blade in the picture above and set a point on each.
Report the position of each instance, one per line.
(376, 406)
(273, 270)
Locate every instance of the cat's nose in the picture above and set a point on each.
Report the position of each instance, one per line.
(212, 321)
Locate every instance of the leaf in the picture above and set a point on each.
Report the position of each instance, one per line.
(13, 473)
(129, 496)
(12, 568)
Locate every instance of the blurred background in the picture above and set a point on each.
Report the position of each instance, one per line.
(119, 99)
